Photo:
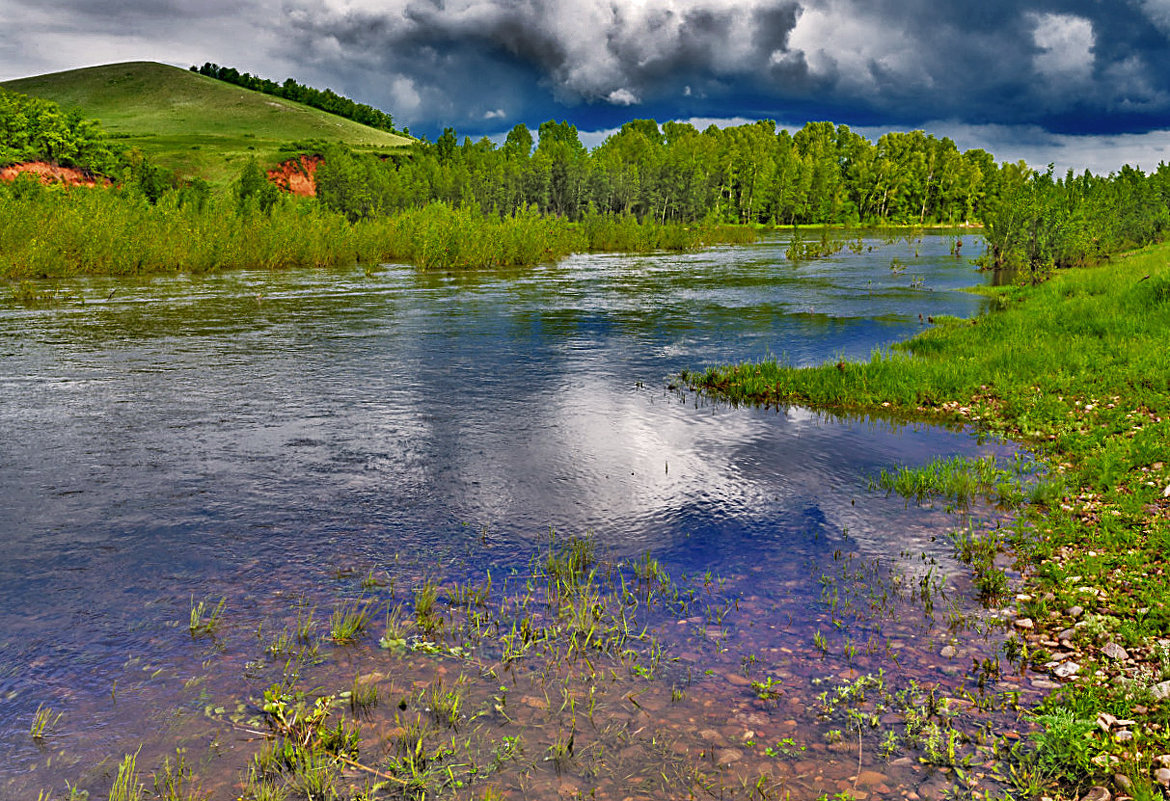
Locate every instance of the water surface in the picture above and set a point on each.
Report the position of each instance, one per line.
(258, 435)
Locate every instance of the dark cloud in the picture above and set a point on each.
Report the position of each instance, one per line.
(1059, 66)
(1073, 66)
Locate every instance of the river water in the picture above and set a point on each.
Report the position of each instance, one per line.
(262, 435)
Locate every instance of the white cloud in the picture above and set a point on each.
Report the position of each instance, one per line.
(622, 97)
(1099, 154)
(1066, 47)
(495, 114)
(842, 41)
(1158, 12)
(405, 95)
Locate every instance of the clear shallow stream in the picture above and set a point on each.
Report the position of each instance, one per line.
(258, 435)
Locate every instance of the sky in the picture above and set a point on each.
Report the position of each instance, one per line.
(1083, 84)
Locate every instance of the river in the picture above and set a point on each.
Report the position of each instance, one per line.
(263, 436)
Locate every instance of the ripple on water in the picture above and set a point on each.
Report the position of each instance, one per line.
(263, 435)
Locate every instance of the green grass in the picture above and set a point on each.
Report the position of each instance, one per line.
(1076, 368)
(193, 124)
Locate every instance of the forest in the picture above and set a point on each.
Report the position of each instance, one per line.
(644, 177)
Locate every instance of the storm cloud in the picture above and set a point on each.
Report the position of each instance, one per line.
(1079, 67)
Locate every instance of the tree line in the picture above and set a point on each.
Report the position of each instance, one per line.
(749, 174)
(674, 175)
(323, 99)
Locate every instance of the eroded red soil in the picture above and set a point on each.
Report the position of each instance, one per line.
(297, 175)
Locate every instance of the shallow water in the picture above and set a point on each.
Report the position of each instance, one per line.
(260, 435)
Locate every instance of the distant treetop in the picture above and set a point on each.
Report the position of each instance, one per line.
(325, 100)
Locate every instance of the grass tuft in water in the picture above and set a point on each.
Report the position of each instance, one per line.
(44, 721)
(205, 620)
(349, 621)
(127, 786)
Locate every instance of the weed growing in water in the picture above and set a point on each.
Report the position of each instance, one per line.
(397, 628)
(470, 596)
(561, 750)
(172, 781)
(444, 705)
(348, 621)
(425, 614)
(127, 786)
(43, 721)
(363, 695)
(205, 620)
(820, 643)
(768, 690)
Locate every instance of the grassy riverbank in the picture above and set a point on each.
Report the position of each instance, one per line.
(1076, 368)
(51, 233)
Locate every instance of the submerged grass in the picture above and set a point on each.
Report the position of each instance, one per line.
(961, 480)
(572, 672)
(1077, 368)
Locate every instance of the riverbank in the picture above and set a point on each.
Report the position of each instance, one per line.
(52, 233)
(1076, 368)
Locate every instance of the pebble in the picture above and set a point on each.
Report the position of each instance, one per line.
(1066, 670)
(1075, 611)
(1124, 783)
(948, 652)
(1115, 651)
(1161, 691)
(1097, 793)
(1163, 760)
(1023, 623)
(1124, 736)
(1045, 684)
(1162, 776)
(728, 756)
(870, 779)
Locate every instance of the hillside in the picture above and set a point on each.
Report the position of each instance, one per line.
(190, 123)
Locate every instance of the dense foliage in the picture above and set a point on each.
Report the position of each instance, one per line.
(822, 174)
(58, 232)
(649, 186)
(32, 129)
(324, 99)
(1037, 222)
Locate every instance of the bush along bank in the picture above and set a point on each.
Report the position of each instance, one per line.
(60, 232)
(1076, 369)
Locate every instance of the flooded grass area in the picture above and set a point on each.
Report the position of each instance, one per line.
(292, 536)
(819, 672)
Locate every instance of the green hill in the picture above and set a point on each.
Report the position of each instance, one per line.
(193, 124)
